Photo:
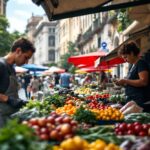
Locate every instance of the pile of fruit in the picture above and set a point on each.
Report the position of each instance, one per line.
(77, 143)
(135, 128)
(54, 127)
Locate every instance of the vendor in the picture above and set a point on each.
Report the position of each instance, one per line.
(21, 51)
(138, 76)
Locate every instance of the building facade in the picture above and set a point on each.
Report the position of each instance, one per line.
(44, 41)
(3, 4)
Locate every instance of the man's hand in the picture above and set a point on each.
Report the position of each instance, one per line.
(121, 82)
(3, 98)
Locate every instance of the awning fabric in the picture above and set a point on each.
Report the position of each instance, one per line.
(33, 67)
(86, 60)
(60, 9)
(53, 69)
(19, 69)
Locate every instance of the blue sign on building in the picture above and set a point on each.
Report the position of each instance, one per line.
(104, 46)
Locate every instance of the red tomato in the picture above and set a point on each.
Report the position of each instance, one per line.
(136, 123)
(142, 133)
(123, 126)
(138, 128)
(145, 127)
(120, 133)
(130, 132)
(129, 126)
(44, 137)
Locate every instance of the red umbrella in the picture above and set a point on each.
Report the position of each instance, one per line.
(86, 59)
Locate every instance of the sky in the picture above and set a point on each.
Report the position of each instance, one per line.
(19, 11)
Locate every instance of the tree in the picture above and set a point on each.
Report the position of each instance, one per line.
(64, 58)
(123, 19)
(6, 38)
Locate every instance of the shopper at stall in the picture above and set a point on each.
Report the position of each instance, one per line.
(56, 78)
(65, 79)
(87, 79)
(138, 76)
(21, 51)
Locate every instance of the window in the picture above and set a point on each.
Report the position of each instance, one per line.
(51, 55)
(51, 41)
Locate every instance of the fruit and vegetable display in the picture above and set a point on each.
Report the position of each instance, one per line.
(135, 128)
(78, 143)
(118, 98)
(138, 117)
(53, 127)
(76, 120)
(15, 136)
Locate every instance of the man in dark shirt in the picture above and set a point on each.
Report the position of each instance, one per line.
(21, 51)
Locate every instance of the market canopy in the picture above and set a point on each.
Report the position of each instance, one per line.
(92, 69)
(33, 67)
(52, 70)
(86, 60)
(19, 69)
(60, 9)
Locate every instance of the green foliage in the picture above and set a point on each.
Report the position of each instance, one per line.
(52, 64)
(64, 58)
(83, 115)
(15, 136)
(56, 100)
(123, 19)
(6, 38)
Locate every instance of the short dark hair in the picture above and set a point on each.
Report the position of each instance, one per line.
(24, 44)
(130, 47)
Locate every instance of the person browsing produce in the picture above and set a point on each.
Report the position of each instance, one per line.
(21, 51)
(138, 76)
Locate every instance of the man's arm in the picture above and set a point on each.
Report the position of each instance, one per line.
(16, 103)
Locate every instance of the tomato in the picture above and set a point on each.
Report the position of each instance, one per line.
(130, 132)
(142, 133)
(123, 126)
(138, 128)
(44, 137)
(120, 133)
(145, 127)
(130, 126)
(136, 123)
